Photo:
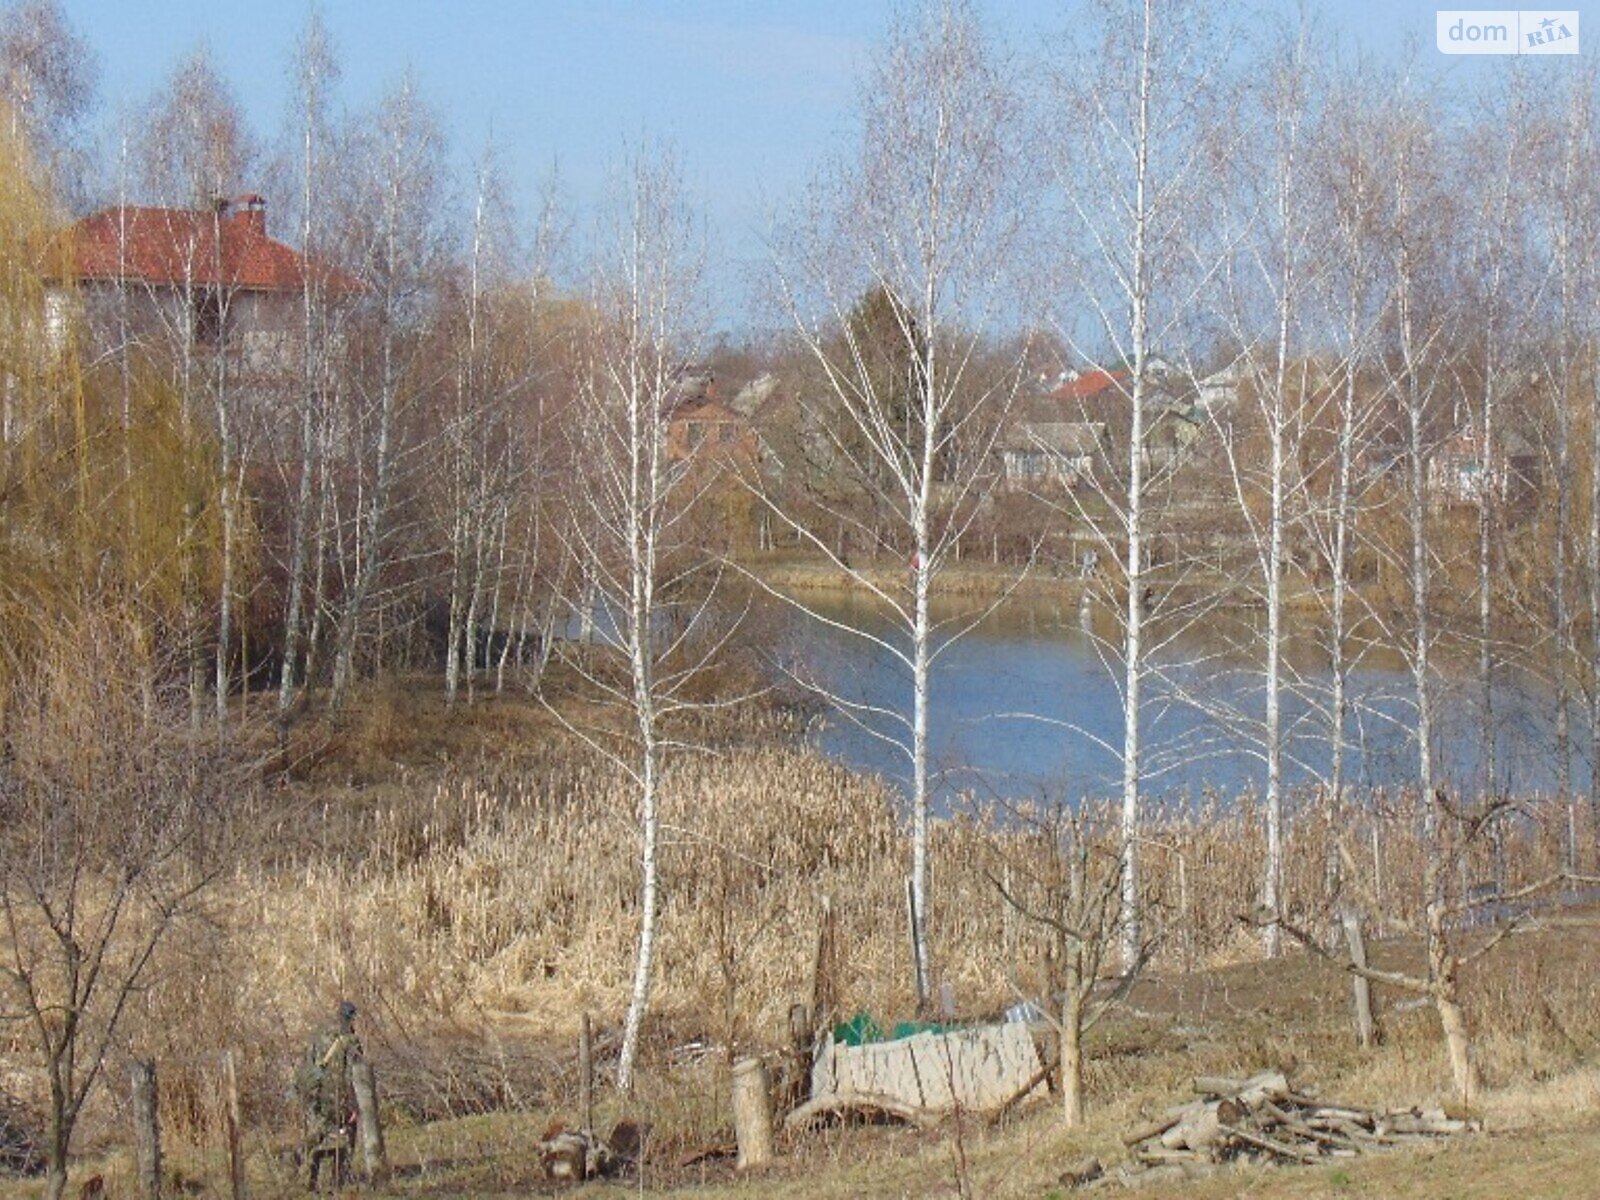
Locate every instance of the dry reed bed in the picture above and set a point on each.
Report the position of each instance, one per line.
(474, 923)
(518, 893)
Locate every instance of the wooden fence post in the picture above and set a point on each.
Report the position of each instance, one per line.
(824, 968)
(800, 1054)
(147, 1129)
(374, 1156)
(230, 1087)
(1361, 986)
(586, 1075)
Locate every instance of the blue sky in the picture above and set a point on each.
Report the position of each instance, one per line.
(752, 92)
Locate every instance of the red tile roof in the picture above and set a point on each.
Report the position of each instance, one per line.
(1089, 385)
(193, 247)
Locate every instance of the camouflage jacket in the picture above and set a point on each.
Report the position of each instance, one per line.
(322, 1082)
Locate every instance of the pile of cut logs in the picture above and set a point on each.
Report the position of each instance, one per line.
(1261, 1119)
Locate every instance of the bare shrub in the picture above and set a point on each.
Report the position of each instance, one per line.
(119, 817)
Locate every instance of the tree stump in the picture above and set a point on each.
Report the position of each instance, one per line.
(374, 1154)
(752, 1112)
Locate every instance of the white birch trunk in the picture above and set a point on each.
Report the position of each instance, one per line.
(1133, 635)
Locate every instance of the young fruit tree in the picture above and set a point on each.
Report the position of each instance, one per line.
(1067, 881)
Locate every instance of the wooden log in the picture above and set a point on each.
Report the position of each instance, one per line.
(752, 1113)
(1200, 1132)
(1360, 1136)
(147, 1129)
(705, 1154)
(374, 1154)
(1411, 1124)
(841, 1103)
(1271, 1145)
(1360, 985)
(1270, 1085)
(230, 1090)
(586, 1074)
(1290, 1121)
(1084, 1171)
(1155, 1155)
(1150, 1129)
(1159, 1126)
(1267, 1084)
(1341, 1112)
(1217, 1085)
(1173, 1138)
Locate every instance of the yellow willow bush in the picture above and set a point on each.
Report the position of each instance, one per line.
(107, 488)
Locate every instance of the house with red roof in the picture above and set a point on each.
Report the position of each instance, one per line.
(1085, 419)
(1078, 387)
(165, 280)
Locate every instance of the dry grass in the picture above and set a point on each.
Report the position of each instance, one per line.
(474, 910)
(1541, 1144)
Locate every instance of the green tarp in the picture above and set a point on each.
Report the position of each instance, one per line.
(861, 1029)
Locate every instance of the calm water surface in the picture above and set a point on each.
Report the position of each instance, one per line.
(1029, 704)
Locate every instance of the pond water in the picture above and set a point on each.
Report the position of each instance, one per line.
(1028, 703)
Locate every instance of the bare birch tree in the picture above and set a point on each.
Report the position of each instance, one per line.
(1267, 295)
(1564, 213)
(646, 324)
(893, 287)
(1137, 152)
(1588, 134)
(195, 153)
(47, 79)
(1420, 350)
(491, 334)
(315, 71)
(1501, 287)
(1352, 304)
(391, 233)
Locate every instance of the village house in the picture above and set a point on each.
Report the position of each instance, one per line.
(699, 426)
(1458, 474)
(1086, 418)
(1052, 452)
(170, 281)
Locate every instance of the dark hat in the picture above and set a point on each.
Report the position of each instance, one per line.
(346, 1010)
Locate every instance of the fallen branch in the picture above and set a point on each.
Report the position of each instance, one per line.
(1018, 1096)
(841, 1104)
